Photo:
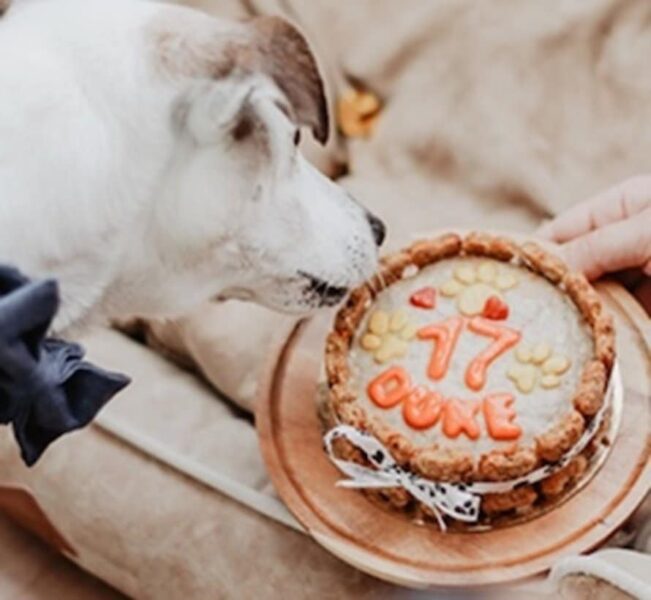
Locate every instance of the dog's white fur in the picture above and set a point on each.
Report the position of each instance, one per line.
(147, 173)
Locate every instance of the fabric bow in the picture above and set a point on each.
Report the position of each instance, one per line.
(451, 499)
(46, 389)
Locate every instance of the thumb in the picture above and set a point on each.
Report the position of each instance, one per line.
(620, 245)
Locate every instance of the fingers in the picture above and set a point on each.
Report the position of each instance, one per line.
(613, 247)
(615, 204)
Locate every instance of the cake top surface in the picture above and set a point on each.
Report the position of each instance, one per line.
(492, 354)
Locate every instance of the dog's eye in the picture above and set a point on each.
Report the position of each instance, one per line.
(297, 137)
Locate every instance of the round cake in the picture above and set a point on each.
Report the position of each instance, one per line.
(472, 361)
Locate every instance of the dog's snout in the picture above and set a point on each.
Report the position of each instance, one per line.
(378, 228)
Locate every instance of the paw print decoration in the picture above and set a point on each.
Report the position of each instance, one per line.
(479, 289)
(537, 365)
(387, 335)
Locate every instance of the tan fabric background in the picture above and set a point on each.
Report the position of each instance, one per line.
(496, 114)
(31, 571)
(156, 534)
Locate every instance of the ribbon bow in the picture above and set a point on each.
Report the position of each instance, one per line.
(452, 499)
(46, 389)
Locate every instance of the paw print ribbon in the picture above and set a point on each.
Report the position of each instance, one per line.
(447, 498)
(46, 389)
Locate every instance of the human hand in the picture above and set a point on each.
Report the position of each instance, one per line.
(610, 232)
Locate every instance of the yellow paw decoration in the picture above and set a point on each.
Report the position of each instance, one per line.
(387, 335)
(473, 285)
(537, 365)
(524, 377)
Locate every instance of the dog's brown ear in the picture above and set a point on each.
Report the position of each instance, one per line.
(188, 44)
(4, 5)
(283, 54)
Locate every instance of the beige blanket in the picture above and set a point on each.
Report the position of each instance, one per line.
(495, 114)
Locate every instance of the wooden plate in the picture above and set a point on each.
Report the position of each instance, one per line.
(388, 546)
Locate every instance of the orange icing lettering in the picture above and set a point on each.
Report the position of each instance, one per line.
(504, 337)
(445, 335)
(421, 408)
(389, 387)
(460, 417)
(499, 415)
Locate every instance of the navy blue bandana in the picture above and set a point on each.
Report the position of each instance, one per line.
(46, 389)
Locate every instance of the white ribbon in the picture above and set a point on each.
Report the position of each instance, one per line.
(448, 498)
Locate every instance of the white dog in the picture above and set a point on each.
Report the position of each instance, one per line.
(148, 161)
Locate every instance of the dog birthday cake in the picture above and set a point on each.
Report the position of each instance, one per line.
(468, 379)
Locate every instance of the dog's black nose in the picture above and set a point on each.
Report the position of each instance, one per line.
(378, 228)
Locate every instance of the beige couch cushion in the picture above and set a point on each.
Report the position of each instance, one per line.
(150, 530)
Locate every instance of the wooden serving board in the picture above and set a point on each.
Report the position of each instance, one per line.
(386, 544)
